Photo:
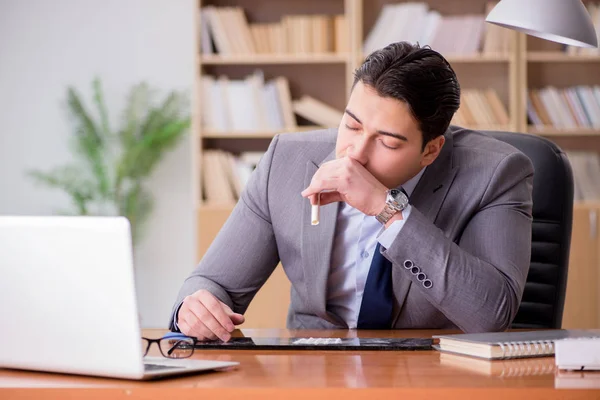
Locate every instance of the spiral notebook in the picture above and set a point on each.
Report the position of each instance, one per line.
(504, 345)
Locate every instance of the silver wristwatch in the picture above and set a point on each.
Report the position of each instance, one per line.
(395, 201)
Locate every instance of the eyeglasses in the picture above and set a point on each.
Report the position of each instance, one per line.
(171, 347)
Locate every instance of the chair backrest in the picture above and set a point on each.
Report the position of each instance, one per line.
(544, 296)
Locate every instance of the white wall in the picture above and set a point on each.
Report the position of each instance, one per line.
(47, 45)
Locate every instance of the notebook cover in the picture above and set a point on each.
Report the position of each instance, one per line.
(259, 343)
(525, 336)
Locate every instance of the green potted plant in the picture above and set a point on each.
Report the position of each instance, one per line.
(111, 167)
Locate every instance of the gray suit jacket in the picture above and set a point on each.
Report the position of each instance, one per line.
(469, 232)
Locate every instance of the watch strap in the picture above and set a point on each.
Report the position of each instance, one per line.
(384, 216)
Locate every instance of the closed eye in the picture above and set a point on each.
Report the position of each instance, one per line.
(351, 128)
(388, 147)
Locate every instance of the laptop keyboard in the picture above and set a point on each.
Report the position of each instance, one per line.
(158, 367)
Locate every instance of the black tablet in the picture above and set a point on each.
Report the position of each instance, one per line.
(250, 343)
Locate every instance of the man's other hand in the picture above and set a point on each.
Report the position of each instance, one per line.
(205, 317)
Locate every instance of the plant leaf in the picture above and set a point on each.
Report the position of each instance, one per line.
(99, 100)
(148, 131)
(89, 142)
(69, 179)
(138, 100)
(160, 132)
(136, 205)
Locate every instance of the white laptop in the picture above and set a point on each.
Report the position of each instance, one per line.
(67, 300)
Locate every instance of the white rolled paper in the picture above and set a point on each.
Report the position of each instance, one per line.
(314, 215)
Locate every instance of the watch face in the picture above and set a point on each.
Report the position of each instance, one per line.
(400, 198)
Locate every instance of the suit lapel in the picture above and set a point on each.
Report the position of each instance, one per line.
(317, 243)
(428, 196)
(430, 192)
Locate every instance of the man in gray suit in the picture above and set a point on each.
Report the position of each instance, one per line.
(422, 225)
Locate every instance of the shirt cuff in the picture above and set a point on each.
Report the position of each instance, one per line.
(175, 326)
(387, 236)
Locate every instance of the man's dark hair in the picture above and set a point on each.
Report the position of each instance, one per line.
(418, 76)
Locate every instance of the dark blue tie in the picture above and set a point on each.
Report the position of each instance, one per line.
(378, 297)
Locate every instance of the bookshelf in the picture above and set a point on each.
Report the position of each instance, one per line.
(482, 69)
(264, 59)
(255, 134)
(480, 58)
(556, 132)
(557, 56)
(526, 63)
(546, 64)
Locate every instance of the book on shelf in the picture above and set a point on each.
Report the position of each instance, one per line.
(246, 105)
(496, 38)
(317, 112)
(480, 108)
(448, 34)
(216, 185)
(586, 175)
(226, 31)
(501, 368)
(537, 113)
(341, 35)
(251, 158)
(593, 9)
(567, 108)
(253, 105)
(224, 175)
(507, 345)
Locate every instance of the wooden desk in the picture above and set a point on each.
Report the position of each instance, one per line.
(323, 375)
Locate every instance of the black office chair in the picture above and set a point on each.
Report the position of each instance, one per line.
(544, 296)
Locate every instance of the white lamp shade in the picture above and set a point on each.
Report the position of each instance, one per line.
(562, 21)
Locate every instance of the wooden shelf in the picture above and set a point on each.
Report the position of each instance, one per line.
(477, 58)
(557, 56)
(586, 205)
(551, 131)
(487, 127)
(255, 135)
(267, 134)
(258, 59)
(216, 207)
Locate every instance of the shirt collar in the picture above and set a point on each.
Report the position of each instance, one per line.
(409, 186)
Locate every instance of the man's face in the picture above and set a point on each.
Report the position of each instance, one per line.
(382, 135)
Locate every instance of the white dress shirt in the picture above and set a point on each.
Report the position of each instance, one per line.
(355, 241)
